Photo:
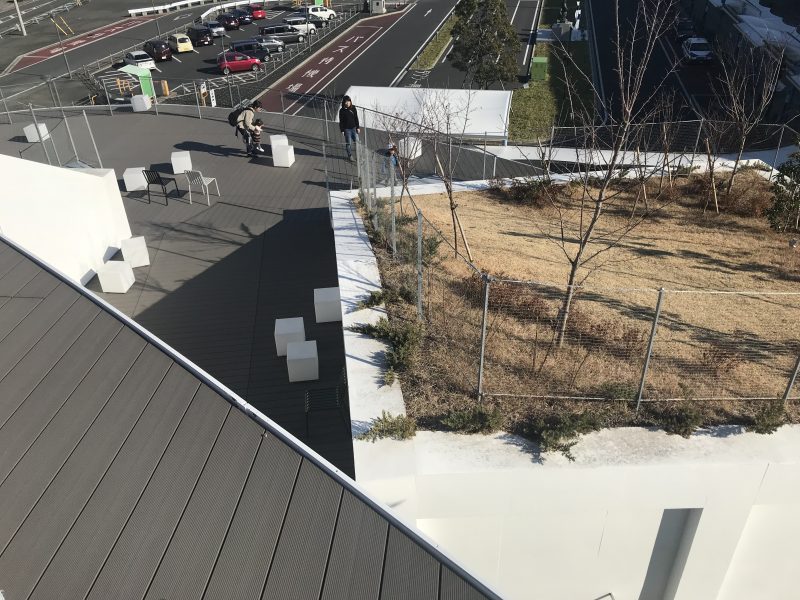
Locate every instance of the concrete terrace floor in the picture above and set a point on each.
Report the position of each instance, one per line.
(220, 275)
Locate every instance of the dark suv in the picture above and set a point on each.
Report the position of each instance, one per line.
(200, 36)
(244, 17)
(158, 50)
(228, 21)
(250, 47)
(283, 32)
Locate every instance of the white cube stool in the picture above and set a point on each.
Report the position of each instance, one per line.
(181, 161)
(282, 156)
(116, 277)
(327, 305)
(134, 179)
(141, 103)
(301, 361)
(134, 251)
(32, 136)
(287, 331)
(409, 148)
(278, 140)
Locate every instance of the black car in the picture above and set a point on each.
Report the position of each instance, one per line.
(317, 21)
(158, 50)
(282, 32)
(200, 36)
(228, 21)
(684, 28)
(245, 18)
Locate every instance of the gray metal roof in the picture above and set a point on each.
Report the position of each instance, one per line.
(127, 473)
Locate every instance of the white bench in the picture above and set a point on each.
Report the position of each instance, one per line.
(134, 179)
(302, 361)
(116, 277)
(288, 331)
(134, 251)
(327, 305)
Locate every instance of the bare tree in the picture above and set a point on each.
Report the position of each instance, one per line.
(607, 151)
(745, 88)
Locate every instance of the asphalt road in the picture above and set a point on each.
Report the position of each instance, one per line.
(521, 13)
(690, 84)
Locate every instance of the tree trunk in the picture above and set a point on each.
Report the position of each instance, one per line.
(563, 313)
(735, 167)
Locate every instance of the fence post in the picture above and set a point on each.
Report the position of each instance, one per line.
(484, 155)
(649, 348)
(197, 100)
(792, 380)
(230, 91)
(108, 98)
(487, 280)
(419, 265)
(325, 107)
(39, 134)
(91, 136)
(283, 113)
(5, 105)
(777, 151)
(66, 122)
(393, 211)
(696, 143)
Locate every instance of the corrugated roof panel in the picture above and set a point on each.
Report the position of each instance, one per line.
(48, 523)
(356, 561)
(85, 549)
(192, 553)
(40, 286)
(136, 555)
(409, 570)
(33, 367)
(24, 426)
(35, 325)
(250, 544)
(9, 258)
(454, 587)
(298, 567)
(13, 312)
(17, 277)
(34, 472)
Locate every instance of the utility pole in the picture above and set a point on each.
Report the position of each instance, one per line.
(19, 16)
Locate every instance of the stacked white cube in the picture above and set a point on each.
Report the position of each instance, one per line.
(116, 277)
(282, 156)
(302, 361)
(278, 140)
(134, 251)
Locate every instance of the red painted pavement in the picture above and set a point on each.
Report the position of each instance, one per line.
(42, 54)
(322, 67)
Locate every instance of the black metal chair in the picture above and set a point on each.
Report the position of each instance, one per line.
(155, 178)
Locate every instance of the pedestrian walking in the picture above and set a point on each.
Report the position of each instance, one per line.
(244, 126)
(348, 124)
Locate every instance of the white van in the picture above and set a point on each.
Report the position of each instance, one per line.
(323, 12)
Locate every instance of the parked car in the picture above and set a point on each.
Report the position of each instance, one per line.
(270, 44)
(200, 36)
(285, 33)
(301, 24)
(228, 21)
(158, 50)
(697, 50)
(317, 22)
(684, 28)
(138, 58)
(244, 17)
(217, 30)
(323, 12)
(230, 62)
(180, 43)
(256, 11)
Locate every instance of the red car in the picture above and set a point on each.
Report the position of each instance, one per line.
(256, 11)
(234, 61)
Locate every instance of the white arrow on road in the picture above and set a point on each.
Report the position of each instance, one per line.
(430, 10)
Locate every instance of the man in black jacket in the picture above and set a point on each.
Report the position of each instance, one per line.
(348, 124)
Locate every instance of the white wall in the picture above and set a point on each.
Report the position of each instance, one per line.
(73, 219)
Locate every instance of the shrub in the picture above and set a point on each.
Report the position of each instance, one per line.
(771, 416)
(784, 214)
(375, 298)
(559, 432)
(399, 427)
(683, 419)
(478, 419)
(618, 390)
(404, 339)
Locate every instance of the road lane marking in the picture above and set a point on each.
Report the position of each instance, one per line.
(430, 10)
(176, 58)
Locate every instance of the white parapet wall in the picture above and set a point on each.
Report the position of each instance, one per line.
(73, 219)
(640, 514)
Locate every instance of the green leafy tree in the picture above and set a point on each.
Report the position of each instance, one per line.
(486, 44)
(784, 214)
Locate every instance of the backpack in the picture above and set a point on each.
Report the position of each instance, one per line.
(233, 116)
